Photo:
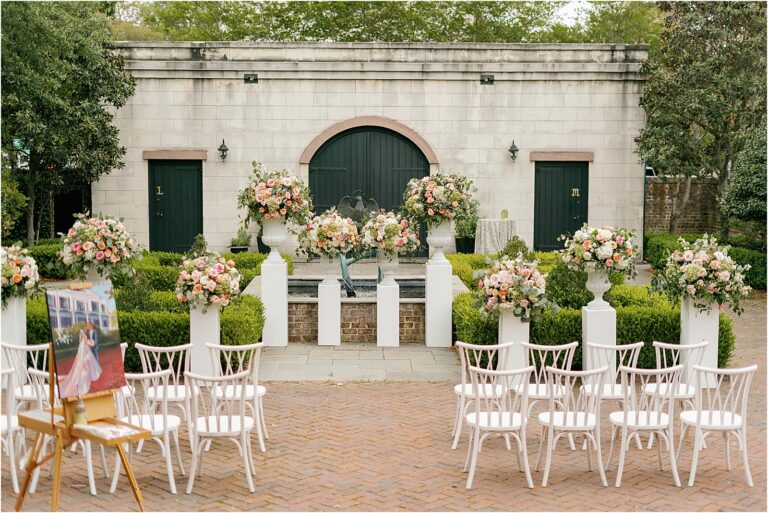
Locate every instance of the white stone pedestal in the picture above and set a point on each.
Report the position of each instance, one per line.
(439, 298)
(697, 327)
(512, 329)
(329, 312)
(274, 296)
(388, 313)
(14, 325)
(204, 328)
(598, 326)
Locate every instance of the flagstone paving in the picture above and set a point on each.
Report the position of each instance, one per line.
(367, 446)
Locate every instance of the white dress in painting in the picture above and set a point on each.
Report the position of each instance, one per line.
(84, 371)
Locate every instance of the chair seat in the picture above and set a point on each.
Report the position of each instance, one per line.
(485, 391)
(4, 423)
(712, 419)
(176, 393)
(153, 423)
(640, 419)
(539, 391)
(611, 391)
(682, 391)
(26, 393)
(496, 421)
(127, 390)
(223, 426)
(574, 420)
(232, 391)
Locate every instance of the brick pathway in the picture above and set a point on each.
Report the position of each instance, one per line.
(386, 446)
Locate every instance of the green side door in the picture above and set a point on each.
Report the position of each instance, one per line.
(560, 202)
(175, 204)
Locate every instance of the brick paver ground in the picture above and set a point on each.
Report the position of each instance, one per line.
(386, 446)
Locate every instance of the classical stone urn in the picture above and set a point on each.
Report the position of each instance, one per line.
(439, 237)
(388, 264)
(274, 234)
(598, 284)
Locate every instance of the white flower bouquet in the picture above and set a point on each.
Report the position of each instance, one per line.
(99, 241)
(703, 271)
(19, 276)
(328, 234)
(207, 280)
(603, 249)
(390, 234)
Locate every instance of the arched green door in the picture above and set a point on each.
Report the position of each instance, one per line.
(377, 161)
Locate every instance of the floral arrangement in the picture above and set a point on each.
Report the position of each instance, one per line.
(207, 280)
(514, 284)
(275, 195)
(20, 277)
(328, 234)
(99, 241)
(437, 198)
(605, 249)
(703, 271)
(390, 234)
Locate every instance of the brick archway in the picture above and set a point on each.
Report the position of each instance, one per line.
(379, 121)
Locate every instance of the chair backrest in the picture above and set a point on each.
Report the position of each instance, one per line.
(228, 360)
(41, 388)
(22, 358)
(175, 358)
(123, 349)
(9, 382)
(138, 403)
(566, 385)
(634, 381)
(504, 381)
(624, 355)
(730, 399)
(211, 402)
(687, 355)
(481, 356)
(543, 356)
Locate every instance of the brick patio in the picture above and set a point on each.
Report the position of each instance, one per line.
(386, 446)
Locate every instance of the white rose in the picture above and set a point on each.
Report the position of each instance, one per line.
(604, 251)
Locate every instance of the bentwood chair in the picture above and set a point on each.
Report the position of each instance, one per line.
(721, 408)
(22, 358)
(9, 425)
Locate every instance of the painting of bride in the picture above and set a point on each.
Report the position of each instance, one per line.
(84, 371)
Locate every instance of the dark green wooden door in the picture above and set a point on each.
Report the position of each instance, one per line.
(376, 161)
(175, 204)
(560, 202)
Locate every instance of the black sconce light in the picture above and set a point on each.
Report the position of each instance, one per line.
(513, 151)
(223, 150)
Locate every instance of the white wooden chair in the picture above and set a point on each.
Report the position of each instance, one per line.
(177, 359)
(478, 355)
(498, 413)
(645, 412)
(669, 355)
(22, 358)
(228, 360)
(215, 414)
(9, 425)
(722, 408)
(576, 413)
(140, 411)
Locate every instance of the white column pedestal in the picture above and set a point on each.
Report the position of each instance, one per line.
(697, 327)
(274, 296)
(512, 329)
(329, 312)
(439, 298)
(598, 326)
(14, 325)
(388, 313)
(204, 328)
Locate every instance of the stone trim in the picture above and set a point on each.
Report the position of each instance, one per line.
(562, 156)
(175, 155)
(378, 121)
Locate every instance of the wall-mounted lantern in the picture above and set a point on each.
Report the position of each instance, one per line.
(513, 150)
(223, 150)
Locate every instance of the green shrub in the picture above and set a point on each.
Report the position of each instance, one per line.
(514, 247)
(755, 277)
(547, 260)
(657, 246)
(469, 325)
(464, 266)
(633, 295)
(568, 288)
(47, 259)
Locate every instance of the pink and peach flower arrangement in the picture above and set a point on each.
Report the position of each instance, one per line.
(207, 280)
(99, 241)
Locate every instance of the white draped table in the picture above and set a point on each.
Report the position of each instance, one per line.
(493, 234)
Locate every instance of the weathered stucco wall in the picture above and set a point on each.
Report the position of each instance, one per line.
(190, 96)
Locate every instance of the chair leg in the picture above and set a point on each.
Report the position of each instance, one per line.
(658, 454)
(245, 440)
(259, 433)
(89, 467)
(589, 452)
(469, 448)
(695, 458)
(263, 420)
(542, 439)
(571, 444)
(103, 461)
(168, 462)
(116, 471)
(622, 454)
(727, 440)
(193, 471)
(650, 440)
(523, 448)
(683, 432)
(36, 473)
(507, 443)
(457, 417)
(610, 451)
(744, 456)
(672, 460)
(548, 463)
(599, 457)
(178, 451)
(475, 451)
(12, 457)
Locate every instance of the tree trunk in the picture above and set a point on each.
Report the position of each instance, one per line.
(52, 213)
(31, 207)
(723, 179)
(680, 204)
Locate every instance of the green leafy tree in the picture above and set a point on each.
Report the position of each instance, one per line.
(205, 21)
(706, 91)
(13, 202)
(60, 81)
(623, 22)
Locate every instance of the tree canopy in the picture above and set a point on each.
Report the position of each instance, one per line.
(745, 197)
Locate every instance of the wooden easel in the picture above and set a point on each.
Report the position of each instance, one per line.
(58, 422)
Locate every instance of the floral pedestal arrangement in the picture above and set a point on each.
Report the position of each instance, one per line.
(206, 283)
(274, 278)
(599, 252)
(702, 276)
(20, 279)
(95, 246)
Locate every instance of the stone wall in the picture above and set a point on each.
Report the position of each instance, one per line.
(700, 216)
(358, 323)
(547, 98)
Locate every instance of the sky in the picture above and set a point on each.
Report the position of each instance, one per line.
(569, 11)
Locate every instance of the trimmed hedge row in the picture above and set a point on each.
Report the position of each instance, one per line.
(464, 264)
(659, 245)
(649, 322)
(241, 323)
(46, 257)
